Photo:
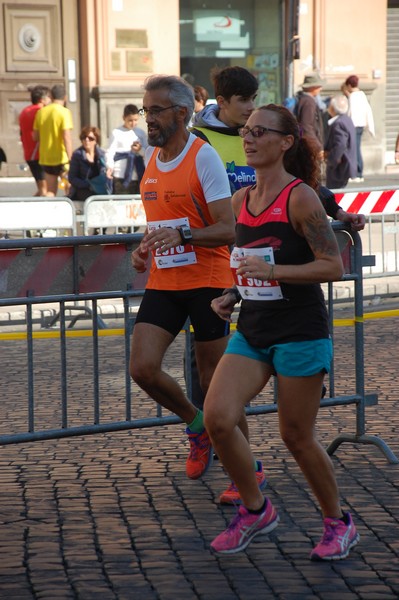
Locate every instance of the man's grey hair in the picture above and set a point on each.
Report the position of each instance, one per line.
(340, 104)
(180, 92)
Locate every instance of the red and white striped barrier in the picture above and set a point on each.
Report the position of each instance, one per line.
(49, 271)
(368, 203)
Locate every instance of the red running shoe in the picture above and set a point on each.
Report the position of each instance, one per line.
(201, 454)
(232, 495)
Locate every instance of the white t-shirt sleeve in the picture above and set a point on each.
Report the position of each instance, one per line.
(112, 145)
(370, 119)
(148, 153)
(212, 174)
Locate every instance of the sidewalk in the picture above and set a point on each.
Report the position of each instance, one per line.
(373, 288)
(113, 516)
(12, 186)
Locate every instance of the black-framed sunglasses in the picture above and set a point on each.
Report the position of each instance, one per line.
(155, 111)
(258, 131)
(88, 137)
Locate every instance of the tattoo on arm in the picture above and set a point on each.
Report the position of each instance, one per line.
(319, 234)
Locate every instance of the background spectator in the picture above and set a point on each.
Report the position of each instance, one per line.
(201, 97)
(52, 129)
(361, 115)
(340, 147)
(308, 112)
(3, 157)
(124, 156)
(235, 90)
(87, 161)
(40, 96)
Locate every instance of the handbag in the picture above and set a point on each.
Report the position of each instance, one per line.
(100, 184)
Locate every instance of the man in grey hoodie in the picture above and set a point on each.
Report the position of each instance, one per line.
(235, 93)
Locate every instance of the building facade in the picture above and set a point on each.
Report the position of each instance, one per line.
(104, 49)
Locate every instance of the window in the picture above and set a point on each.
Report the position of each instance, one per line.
(239, 32)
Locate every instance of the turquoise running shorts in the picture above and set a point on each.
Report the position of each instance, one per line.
(293, 359)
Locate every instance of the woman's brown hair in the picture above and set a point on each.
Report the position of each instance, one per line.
(302, 159)
(87, 130)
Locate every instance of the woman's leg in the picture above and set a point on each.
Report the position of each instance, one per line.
(237, 379)
(298, 405)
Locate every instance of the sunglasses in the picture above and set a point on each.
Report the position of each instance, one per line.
(258, 131)
(88, 137)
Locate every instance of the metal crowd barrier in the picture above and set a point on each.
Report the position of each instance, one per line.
(50, 216)
(60, 216)
(120, 212)
(380, 237)
(96, 268)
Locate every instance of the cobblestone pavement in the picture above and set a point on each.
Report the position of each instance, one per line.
(113, 517)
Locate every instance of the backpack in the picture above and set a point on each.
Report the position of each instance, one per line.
(291, 102)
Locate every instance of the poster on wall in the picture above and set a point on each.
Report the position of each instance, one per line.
(266, 68)
(222, 27)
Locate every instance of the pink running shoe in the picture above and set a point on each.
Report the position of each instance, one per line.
(337, 540)
(243, 528)
(232, 496)
(201, 454)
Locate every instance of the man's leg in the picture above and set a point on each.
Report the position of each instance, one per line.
(190, 364)
(359, 133)
(40, 177)
(41, 187)
(149, 344)
(52, 184)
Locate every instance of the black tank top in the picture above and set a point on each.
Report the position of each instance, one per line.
(301, 315)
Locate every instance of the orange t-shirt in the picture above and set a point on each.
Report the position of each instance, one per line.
(178, 194)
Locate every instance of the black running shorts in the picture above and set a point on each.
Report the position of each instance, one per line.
(170, 310)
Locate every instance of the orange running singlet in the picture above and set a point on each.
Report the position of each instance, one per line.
(178, 194)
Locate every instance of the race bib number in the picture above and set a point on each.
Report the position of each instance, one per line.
(249, 287)
(181, 256)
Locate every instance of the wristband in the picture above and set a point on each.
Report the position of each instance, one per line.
(234, 291)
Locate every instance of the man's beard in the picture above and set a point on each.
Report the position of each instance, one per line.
(163, 135)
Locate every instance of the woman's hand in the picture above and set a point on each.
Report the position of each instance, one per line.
(223, 306)
(255, 267)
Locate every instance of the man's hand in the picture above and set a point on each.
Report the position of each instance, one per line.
(162, 238)
(356, 221)
(139, 258)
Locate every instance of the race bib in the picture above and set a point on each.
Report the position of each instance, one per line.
(181, 256)
(249, 287)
